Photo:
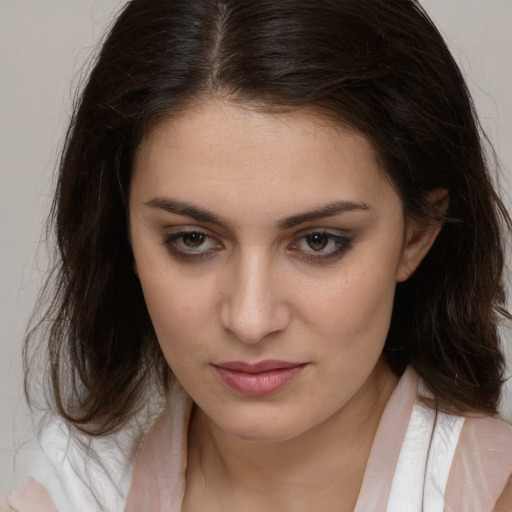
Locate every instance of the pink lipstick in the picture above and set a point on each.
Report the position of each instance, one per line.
(257, 379)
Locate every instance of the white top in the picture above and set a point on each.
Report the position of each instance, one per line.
(421, 461)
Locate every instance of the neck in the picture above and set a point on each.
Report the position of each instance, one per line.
(322, 469)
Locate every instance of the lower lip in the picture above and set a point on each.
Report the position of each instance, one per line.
(258, 384)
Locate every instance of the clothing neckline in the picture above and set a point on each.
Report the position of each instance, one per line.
(158, 480)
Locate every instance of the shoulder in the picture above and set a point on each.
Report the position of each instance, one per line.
(72, 472)
(481, 466)
(450, 462)
(29, 496)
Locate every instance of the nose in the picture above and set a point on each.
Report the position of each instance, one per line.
(253, 307)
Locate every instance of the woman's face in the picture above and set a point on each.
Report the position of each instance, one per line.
(268, 247)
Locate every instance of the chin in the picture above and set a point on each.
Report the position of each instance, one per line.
(263, 430)
(261, 436)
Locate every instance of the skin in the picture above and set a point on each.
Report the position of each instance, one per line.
(504, 503)
(247, 284)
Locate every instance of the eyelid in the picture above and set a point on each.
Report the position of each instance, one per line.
(342, 241)
(329, 232)
(190, 254)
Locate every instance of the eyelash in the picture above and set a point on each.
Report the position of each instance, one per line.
(171, 241)
(342, 245)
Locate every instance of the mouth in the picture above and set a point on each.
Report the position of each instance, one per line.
(257, 379)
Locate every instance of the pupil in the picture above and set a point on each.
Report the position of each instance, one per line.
(193, 239)
(317, 242)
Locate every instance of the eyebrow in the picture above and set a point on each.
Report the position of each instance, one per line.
(186, 209)
(329, 210)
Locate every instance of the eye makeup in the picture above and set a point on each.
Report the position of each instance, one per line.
(314, 245)
(319, 245)
(191, 245)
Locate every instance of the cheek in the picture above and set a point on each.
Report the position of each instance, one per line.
(181, 309)
(169, 300)
(351, 319)
(351, 326)
(358, 299)
(175, 297)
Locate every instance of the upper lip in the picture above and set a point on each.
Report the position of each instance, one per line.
(260, 367)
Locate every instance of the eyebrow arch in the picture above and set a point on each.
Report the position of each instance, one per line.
(329, 210)
(178, 207)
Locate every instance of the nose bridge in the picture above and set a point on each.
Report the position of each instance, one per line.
(253, 308)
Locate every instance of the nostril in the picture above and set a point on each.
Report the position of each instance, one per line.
(251, 323)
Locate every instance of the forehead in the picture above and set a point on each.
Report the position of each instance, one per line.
(219, 150)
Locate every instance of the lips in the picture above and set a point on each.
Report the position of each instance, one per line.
(256, 379)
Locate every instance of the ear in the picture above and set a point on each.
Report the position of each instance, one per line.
(420, 235)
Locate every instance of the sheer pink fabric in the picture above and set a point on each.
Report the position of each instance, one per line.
(504, 503)
(481, 464)
(477, 464)
(483, 461)
(387, 444)
(30, 496)
(158, 482)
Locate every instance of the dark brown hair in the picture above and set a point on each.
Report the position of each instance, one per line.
(378, 65)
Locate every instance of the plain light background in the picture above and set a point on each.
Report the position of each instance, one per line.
(43, 45)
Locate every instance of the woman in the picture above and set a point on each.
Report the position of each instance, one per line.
(275, 217)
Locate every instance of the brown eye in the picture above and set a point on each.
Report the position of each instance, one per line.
(317, 241)
(192, 245)
(320, 246)
(193, 240)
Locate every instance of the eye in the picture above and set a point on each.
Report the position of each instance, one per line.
(192, 244)
(320, 245)
(318, 241)
(193, 240)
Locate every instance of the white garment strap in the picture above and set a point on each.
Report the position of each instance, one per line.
(419, 484)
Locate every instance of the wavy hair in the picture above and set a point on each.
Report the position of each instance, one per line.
(379, 66)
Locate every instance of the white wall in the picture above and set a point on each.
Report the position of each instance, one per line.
(43, 44)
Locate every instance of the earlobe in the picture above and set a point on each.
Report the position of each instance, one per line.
(420, 235)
